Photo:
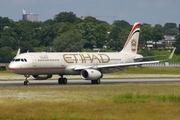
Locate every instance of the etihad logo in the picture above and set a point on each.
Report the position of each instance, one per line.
(86, 58)
(133, 45)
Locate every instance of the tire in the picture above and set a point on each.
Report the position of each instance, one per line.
(98, 81)
(60, 80)
(25, 82)
(93, 81)
(64, 80)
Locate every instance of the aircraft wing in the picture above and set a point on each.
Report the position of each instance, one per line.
(114, 65)
(123, 64)
(170, 56)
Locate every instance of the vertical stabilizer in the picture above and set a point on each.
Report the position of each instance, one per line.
(131, 44)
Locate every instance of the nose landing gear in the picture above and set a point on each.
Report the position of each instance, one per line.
(26, 82)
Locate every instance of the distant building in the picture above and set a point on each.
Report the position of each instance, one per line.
(167, 42)
(30, 17)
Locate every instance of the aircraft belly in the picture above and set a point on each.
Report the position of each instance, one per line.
(69, 70)
(25, 71)
(49, 67)
(49, 70)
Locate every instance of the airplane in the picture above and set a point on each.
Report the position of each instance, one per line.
(90, 65)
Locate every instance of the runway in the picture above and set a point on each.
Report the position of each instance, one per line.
(86, 82)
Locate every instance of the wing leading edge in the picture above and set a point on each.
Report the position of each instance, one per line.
(114, 65)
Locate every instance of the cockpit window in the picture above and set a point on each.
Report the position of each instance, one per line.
(16, 60)
(19, 59)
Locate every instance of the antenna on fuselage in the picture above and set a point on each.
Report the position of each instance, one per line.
(18, 52)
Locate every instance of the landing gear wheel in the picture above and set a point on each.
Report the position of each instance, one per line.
(62, 80)
(93, 82)
(26, 82)
(96, 81)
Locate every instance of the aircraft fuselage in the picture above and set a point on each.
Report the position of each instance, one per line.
(64, 63)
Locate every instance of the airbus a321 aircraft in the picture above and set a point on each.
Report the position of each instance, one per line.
(90, 65)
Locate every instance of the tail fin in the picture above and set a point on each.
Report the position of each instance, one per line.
(131, 44)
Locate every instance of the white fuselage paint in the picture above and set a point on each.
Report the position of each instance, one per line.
(64, 63)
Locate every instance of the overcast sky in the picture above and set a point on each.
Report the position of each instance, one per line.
(144, 11)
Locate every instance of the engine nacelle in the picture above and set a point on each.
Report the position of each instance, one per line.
(40, 77)
(91, 74)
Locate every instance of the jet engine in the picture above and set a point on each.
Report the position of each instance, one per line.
(40, 77)
(91, 74)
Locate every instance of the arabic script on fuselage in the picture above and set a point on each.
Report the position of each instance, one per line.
(43, 56)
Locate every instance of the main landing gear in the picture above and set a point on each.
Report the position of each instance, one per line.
(62, 80)
(96, 81)
(26, 82)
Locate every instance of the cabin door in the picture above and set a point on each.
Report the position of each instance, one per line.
(61, 61)
(34, 61)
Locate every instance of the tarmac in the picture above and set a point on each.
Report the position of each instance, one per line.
(105, 76)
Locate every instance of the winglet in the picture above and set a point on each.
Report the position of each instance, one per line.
(170, 56)
(18, 52)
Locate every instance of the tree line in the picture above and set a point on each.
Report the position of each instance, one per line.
(67, 32)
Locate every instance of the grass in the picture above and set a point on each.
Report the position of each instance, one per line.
(99, 102)
(150, 70)
(146, 98)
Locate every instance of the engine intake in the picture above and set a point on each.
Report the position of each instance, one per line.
(91, 74)
(40, 77)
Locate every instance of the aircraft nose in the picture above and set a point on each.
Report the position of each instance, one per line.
(12, 67)
(16, 68)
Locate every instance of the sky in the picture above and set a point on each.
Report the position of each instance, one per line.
(144, 11)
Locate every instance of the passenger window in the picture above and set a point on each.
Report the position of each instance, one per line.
(16, 60)
(22, 60)
(25, 60)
